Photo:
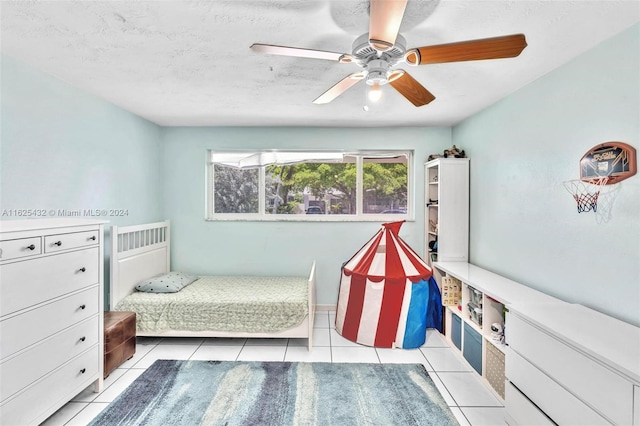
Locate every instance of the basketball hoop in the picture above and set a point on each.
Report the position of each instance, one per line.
(601, 169)
(586, 193)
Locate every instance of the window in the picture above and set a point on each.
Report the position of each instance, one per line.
(305, 185)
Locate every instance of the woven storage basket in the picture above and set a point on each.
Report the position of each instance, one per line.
(495, 369)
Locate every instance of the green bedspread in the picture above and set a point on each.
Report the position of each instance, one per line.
(248, 304)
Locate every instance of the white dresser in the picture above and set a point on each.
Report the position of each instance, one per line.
(564, 363)
(51, 315)
(572, 365)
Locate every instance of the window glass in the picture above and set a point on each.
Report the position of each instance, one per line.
(235, 190)
(385, 185)
(311, 188)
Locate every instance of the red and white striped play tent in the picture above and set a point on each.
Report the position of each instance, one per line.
(387, 296)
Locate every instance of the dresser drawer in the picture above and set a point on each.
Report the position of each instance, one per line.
(602, 389)
(26, 284)
(521, 411)
(23, 247)
(42, 399)
(20, 371)
(558, 403)
(53, 243)
(21, 331)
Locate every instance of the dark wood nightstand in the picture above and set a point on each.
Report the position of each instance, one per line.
(119, 339)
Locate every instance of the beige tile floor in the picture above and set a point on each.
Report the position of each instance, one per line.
(469, 399)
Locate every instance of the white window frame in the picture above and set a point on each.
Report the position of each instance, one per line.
(357, 217)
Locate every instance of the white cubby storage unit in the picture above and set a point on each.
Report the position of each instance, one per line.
(468, 328)
(447, 210)
(559, 363)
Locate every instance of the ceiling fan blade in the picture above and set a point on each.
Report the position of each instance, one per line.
(409, 87)
(300, 53)
(384, 22)
(472, 50)
(339, 88)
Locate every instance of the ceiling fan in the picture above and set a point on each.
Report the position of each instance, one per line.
(382, 48)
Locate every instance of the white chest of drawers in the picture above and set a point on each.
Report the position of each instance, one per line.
(575, 365)
(565, 364)
(51, 315)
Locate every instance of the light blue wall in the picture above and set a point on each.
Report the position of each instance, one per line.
(61, 148)
(524, 224)
(277, 247)
(64, 149)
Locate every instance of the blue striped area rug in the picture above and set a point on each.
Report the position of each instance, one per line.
(279, 393)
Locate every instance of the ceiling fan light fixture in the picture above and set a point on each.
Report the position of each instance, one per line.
(374, 92)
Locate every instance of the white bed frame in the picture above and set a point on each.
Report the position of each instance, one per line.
(143, 251)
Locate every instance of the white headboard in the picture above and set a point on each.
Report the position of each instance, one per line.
(137, 252)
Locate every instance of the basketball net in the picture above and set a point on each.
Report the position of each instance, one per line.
(586, 193)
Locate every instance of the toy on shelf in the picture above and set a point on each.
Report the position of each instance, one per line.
(454, 152)
(497, 332)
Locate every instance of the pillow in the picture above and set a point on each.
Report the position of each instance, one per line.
(171, 282)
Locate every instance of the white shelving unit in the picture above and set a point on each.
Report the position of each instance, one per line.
(474, 338)
(447, 207)
(560, 361)
(468, 328)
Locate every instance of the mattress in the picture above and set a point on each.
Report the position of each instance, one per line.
(234, 304)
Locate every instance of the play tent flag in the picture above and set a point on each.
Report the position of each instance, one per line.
(388, 297)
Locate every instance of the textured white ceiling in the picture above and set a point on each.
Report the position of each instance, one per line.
(188, 63)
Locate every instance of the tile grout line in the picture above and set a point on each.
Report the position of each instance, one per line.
(199, 346)
(446, 388)
(241, 349)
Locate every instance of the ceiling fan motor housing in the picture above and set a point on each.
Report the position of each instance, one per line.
(377, 64)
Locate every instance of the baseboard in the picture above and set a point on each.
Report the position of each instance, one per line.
(326, 307)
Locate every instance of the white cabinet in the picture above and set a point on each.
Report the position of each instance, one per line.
(562, 363)
(51, 315)
(447, 210)
(577, 365)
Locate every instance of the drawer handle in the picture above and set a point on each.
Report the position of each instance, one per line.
(31, 247)
(83, 371)
(83, 306)
(57, 243)
(82, 339)
(92, 238)
(83, 269)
